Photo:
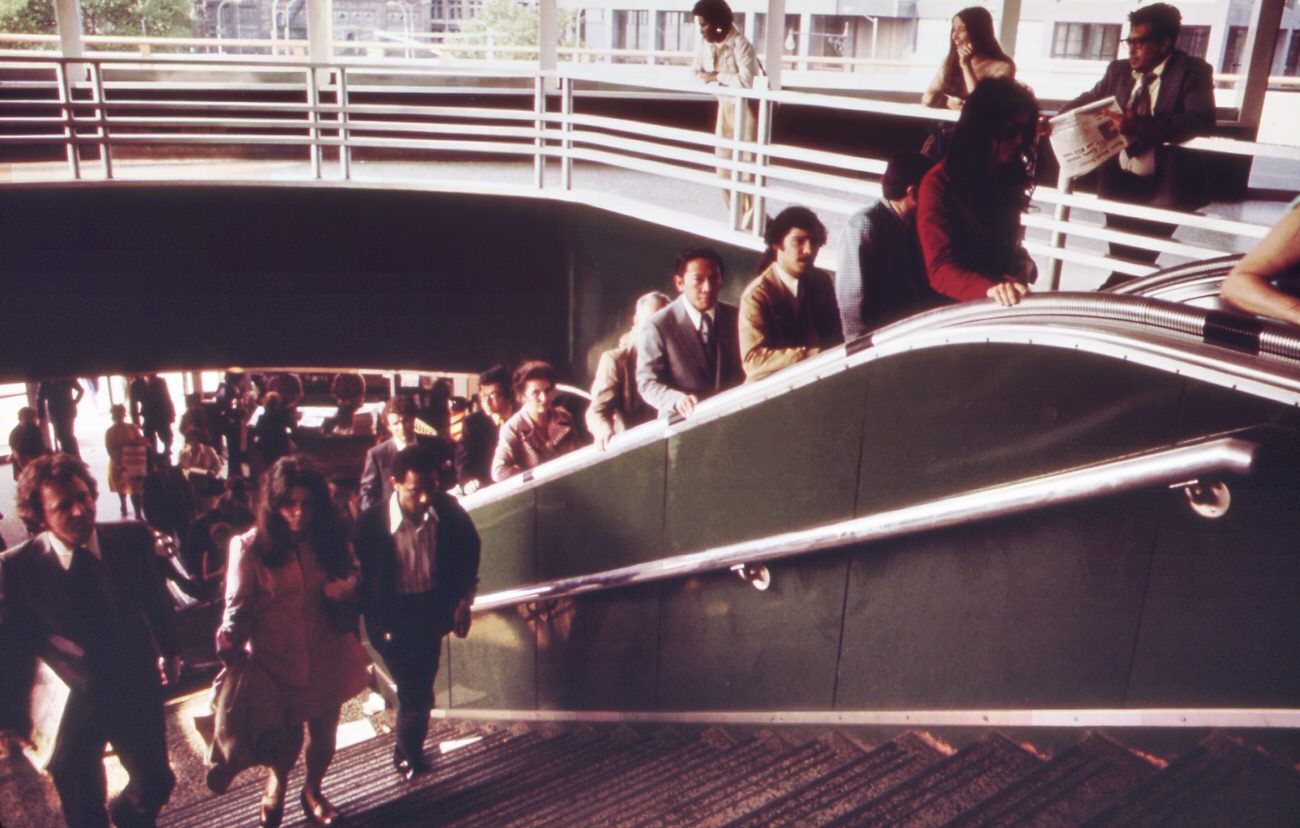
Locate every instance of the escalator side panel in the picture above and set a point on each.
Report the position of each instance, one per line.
(726, 645)
(1222, 618)
(508, 531)
(1033, 610)
(610, 515)
(953, 419)
(496, 666)
(792, 461)
(600, 651)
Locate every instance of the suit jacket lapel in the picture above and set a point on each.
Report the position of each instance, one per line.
(1170, 80)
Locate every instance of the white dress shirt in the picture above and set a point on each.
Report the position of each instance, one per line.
(417, 548)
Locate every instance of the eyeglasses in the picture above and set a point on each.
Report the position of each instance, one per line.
(1138, 41)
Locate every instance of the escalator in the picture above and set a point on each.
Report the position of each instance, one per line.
(1086, 501)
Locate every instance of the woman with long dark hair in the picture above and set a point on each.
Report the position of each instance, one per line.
(973, 55)
(287, 585)
(968, 209)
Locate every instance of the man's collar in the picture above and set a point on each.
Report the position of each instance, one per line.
(1157, 71)
(730, 37)
(64, 552)
(396, 515)
(791, 283)
(694, 313)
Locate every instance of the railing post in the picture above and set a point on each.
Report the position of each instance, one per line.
(737, 103)
(566, 109)
(101, 119)
(539, 125)
(69, 125)
(774, 42)
(345, 151)
(1064, 186)
(763, 138)
(313, 120)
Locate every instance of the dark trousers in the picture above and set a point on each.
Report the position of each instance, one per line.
(155, 431)
(1133, 189)
(416, 626)
(133, 723)
(64, 435)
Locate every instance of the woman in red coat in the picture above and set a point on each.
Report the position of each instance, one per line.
(968, 209)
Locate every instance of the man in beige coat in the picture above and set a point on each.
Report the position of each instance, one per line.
(789, 312)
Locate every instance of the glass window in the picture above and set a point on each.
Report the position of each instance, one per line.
(1292, 66)
(1233, 50)
(677, 31)
(1086, 41)
(1195, 40)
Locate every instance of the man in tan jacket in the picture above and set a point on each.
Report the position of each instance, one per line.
(789, 312)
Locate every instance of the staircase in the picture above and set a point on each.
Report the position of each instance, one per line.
(639, 775)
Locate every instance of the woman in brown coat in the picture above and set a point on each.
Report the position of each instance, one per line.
(285, 581)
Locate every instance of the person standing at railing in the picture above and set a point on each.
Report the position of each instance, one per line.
(726, 58)
(968, 211)
(788, 313)
(1167, 97)
(973, 55)
(1250, 284)
(880, 277)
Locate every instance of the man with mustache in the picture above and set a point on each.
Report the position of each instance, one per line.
(789, 312)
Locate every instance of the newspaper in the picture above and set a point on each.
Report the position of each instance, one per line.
(49, 698)
(1085, 138)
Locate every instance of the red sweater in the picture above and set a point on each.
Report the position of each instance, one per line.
(964, 254)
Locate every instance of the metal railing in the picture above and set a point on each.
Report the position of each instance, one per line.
(1175, 466)
(117, 105)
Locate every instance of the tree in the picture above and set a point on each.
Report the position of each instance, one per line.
(514, 23)
(149, 18)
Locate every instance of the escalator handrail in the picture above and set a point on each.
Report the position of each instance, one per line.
(1102, 322)
(1180, 464)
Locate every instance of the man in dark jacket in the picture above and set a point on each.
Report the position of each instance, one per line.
(419, 554)
(1167, 97)
(87, 599)
(880, 276)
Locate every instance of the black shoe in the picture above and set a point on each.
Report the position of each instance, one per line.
(125, 814)
(408, 769)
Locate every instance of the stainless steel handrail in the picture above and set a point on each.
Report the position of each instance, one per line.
(1131, 328)
(1157, 468)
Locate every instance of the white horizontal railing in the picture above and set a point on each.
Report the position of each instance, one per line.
(120, 104)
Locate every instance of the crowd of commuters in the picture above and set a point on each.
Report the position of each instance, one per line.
(299, 556)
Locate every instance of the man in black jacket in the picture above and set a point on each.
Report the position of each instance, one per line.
(87, 599)
(1167, 97)
(419, 554)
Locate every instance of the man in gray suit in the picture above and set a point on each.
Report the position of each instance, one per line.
(690, 350)
(1167, 97)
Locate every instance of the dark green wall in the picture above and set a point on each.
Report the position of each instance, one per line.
(1125, 600)
(121, 278)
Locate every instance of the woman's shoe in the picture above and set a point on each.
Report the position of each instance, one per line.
(318, 809)
(271, 814)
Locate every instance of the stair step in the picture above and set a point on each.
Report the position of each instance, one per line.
(1221, 781)
(856, 781)
(948, 787)
(1075, 785)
